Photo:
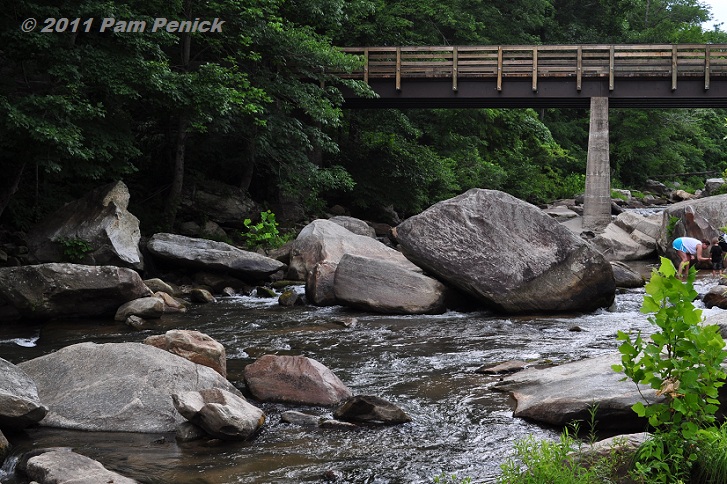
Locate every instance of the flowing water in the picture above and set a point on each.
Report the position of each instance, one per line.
(424, 364)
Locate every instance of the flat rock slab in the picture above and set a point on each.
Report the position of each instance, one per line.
(564, 393)
(63, 466)
(209, 255)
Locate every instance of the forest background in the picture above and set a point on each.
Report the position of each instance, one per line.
(255, 107)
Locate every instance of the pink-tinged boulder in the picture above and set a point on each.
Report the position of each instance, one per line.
(508, 254)
(194, 346)
(294, 379)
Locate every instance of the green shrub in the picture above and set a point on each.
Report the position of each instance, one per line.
(264, 233)
(682, 362)
(711, 464)
(74, 248)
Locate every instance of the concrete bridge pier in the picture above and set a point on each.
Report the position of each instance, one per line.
(597, 203)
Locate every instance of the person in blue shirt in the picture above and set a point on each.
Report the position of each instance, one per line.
(688, 249)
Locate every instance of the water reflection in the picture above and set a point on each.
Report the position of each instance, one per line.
(425, 364)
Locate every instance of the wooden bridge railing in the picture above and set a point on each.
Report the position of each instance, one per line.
(579, 62)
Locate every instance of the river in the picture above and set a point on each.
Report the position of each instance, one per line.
(425, 364)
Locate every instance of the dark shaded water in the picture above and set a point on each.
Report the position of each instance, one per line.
(425, 364)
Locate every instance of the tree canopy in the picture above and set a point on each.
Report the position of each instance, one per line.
(254, 104)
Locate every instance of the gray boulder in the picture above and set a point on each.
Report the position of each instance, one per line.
(508, 254)
(101, 218)
(629, 237)
(221, 414)
(564, 393)
(20, 405)
(380, 286)
(63, 466)
(53, 290)
(194, 346)
(355, 225)
(626, 276)
(209, 255)
(294, 379)
(123, 387)
(151, 307)
(323, 243)
(226, 205)
(371, 409)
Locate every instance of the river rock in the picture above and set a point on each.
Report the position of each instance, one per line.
(101, 218)
(383, 287)
(324, 242)
(355, 225)
(619, 244)
(209, 255)
(370, 409)
(157, 285)
(63, 466)
(715, 297)
(20, 405)
(221, 414)
(151, 307)
(116, 387)
(561, 394)
(194, 346)
(202, 296)
(300, 418)
(508, 254)
(5, 448)
(53, 290)
(294, 379)
(626, 276)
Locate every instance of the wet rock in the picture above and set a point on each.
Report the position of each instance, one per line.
(202, 296)
(189, 432)
(145, 307)
(126, 387)
(221, 414)
(262, 291)
(299, 418)
(54, 290)
(194, 346)
(564, 393)
(136, 322)
(290, 298)
(20, 405)
(208, 255)
(380, 286)
(625, 276)
(617, 243)
(157, 285)
(63, 466)
(294, 379)
(462, 242)
(5, 448)
(624, 447)
(715, 297)
(372, 410)
(172, 304)
(506, 367)
(218, 282)
(338, 425)
(101, 219)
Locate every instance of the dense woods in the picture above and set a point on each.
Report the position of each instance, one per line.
(253, 106)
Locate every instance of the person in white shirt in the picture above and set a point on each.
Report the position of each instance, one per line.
(688, 248)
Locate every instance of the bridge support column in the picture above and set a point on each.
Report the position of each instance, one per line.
(597, 203)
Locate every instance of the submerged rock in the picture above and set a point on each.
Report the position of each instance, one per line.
(371, 409)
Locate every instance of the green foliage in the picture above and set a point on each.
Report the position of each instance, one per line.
(74, 248)
(671, 225)
(264, 233)
(682, 362)
(445, 478)
(711, 464)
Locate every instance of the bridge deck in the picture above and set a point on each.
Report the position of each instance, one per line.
(661, 75)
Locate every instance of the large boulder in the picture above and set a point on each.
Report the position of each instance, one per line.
(20, 405)
(508, 254)
(561, 394)
(209, 255)
(101, 219)
(53, 290)
(224, 204)
(629, 237)
(323, 243)
(63, 466)
(374, 285)
(355, 225)
(294, 379)
(124, 387)
(221, 414)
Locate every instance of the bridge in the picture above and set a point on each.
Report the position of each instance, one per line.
(539, 76)
(640, 76)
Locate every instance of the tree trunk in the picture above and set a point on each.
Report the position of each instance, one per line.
(175, 193)
(10, 185)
